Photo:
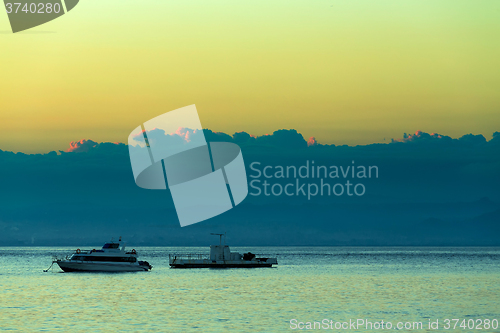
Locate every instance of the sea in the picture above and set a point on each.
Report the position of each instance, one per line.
(333, 289)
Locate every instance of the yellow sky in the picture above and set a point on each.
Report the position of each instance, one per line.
(346, 72)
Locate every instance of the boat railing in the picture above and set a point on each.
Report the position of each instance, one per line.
(59, 258)
(188, 256)
(83, 251)
(78, 251)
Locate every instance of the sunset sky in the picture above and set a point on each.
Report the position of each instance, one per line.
(346, 72)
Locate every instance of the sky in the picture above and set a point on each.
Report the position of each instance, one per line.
(345, 72)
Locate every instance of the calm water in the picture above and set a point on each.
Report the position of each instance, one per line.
(309, 284)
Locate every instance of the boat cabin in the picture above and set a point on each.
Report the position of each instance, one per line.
(222, 252)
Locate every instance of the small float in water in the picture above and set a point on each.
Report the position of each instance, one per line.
(111, 258)
(220, 257)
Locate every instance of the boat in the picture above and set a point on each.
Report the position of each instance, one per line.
(220, 257)
(111, 258)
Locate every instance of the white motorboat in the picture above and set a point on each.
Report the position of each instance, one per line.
(220, 257)
(111, 258)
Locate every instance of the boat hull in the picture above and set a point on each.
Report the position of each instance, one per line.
(205, 263)
(69, 266)
(219, 265)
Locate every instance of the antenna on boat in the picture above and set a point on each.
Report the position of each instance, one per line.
(220, 238)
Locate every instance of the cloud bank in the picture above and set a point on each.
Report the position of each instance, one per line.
(429, 185)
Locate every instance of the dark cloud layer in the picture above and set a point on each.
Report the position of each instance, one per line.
(432, 190)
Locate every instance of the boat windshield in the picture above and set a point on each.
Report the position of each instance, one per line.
(111, 246)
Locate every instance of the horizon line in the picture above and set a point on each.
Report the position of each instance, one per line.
(418, 135)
